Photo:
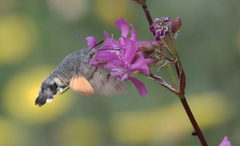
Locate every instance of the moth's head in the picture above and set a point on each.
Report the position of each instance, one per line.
(92, 52)
(46, 93)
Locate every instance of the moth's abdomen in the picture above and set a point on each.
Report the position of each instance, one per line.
(43, 98)
(46, 93)
(49, 88)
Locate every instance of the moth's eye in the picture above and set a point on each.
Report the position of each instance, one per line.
(91, 55)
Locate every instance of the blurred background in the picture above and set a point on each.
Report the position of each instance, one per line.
(36, 35)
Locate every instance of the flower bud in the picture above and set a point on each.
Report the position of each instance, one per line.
(176, 25)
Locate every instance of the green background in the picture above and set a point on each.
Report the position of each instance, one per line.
(36, 35)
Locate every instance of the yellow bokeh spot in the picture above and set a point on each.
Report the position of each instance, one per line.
(111, 10)
(18, 34)
(11, 134)
(79, 132)
(133, 127)
(170, 122)
(209, 110)
(21, 92)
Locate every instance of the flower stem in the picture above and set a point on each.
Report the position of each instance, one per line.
(169, 68)
(192, 120)
(149, 18)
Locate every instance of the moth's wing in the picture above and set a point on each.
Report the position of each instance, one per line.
(91, 80)
(81, 84)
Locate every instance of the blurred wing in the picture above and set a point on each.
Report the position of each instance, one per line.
(91, 80)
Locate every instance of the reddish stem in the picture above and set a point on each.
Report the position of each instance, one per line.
(193, 121)
(149, 18)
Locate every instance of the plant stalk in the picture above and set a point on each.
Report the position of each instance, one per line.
(192, 120)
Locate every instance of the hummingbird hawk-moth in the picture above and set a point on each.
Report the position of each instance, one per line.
(76, 72)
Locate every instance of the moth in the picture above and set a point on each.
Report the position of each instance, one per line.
(76, 72)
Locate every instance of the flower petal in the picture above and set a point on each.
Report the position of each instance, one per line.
(123, 26)
(133, 34)
(105, 35)
(110, 43)
(91, 41)
(166, 19)
(142, 90)
(110, 65)
(105, 56)
(141, 65)
(225, 142)
(131, 50)
(117, 69)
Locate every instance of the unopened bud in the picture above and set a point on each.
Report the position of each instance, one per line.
(176, 25)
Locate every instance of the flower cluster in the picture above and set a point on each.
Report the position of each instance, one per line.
(160, 27)
(126, 57)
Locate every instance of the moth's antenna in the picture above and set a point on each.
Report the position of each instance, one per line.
(80, 39)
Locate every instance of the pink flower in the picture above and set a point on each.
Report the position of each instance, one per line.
(119, 56)
(225, 142)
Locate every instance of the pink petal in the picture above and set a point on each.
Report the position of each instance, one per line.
(110, 65)
(116, 70)
(96, 64)
(123, 26)
(141, 65)
(91, 41)
(110, 44)
(131, 50)
(102, 58)
(133, 34)
(125, 76)
(166, 19)
(225, 142)
(142, 90)
(106, 36)
(106, 56)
